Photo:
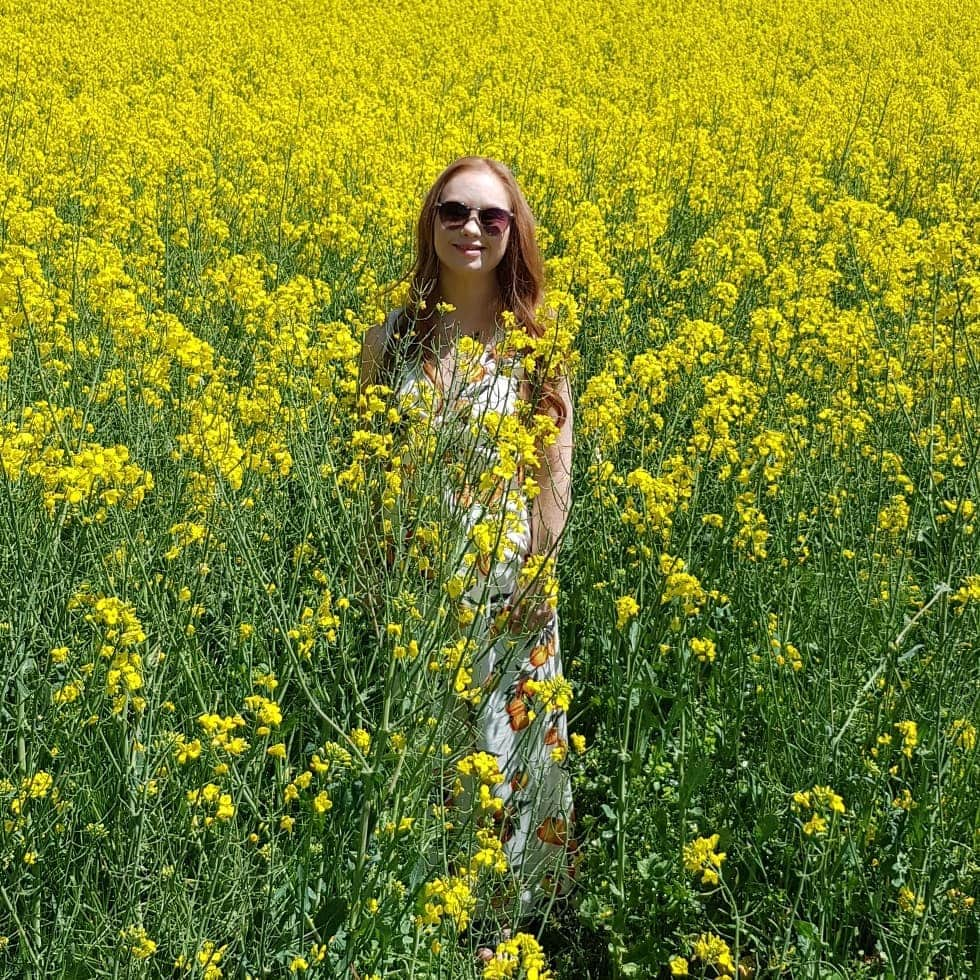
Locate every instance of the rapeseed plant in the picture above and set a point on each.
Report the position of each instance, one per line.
(240, 632)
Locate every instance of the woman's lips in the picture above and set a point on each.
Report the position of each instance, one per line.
(470, 249)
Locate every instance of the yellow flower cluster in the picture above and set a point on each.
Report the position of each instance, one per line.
(267, 711)
(823, 803)
(483, 766)
(518, 957)
(712, 951)
(701, 858)
(334, 756)
(208, 958)
(316, 625)
(704, 649)
(218, 805)
(660, 497)
(910, 903)
(554, 694)
(70, 472)
(517, 445)
(553, 354)
(909, 731)
(120, 635)
(537, 575)
(40, 786)
(963, 734)
(456, 659)
(969, 591)
(489, 854)
(784, 653)
(137, 942)
(679, 584)
(626, 609)
(450, 898)
(220, 729)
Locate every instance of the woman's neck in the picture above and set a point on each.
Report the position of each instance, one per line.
(475, 306)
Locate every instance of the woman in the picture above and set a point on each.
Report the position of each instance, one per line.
(446, 352)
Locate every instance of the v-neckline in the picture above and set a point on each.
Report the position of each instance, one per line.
(433, 373)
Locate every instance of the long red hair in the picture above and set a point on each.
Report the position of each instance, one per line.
(520, 274)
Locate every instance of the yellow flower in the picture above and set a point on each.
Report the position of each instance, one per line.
(362, 740)
(816, 826)
(893, 519)
(824, 803)
(904, 801)
(713, 951)
(626, 608)
(828, 798)
(703, 649)
(555, 693)
(449, 897)
(959, 902)
(484, 766)
(969, 591)
(139, 944)
(68, 692)
(963, 734)
(269, 713)
(520, 956)
(910, 903)
(909, 731)
(185, 751)
(701, 858)
(268, 681)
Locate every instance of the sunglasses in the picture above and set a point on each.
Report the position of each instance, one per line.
(455, 214)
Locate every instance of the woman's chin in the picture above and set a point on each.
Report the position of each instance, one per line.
(469, 259)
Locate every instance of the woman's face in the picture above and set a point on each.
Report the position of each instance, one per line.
(469, 250)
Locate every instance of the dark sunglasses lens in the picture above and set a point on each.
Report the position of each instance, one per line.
(453, 213)
(495, 220)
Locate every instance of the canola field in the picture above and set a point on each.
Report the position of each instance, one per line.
(229, 709)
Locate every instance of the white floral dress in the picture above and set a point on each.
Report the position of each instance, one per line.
(527, 735)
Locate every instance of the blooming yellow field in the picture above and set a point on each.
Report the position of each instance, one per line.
(231, 719)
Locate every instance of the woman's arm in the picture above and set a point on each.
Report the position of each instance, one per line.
(549, 515)
(550, 509)
(372, 355)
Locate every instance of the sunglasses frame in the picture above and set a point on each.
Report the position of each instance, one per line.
(480, 212)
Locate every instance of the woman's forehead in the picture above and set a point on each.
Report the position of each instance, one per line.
(479, 188)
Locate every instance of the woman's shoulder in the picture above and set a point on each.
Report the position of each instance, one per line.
(388, 349)
(378, 335)
(375, 346)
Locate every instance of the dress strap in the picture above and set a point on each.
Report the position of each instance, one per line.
(391, 321)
